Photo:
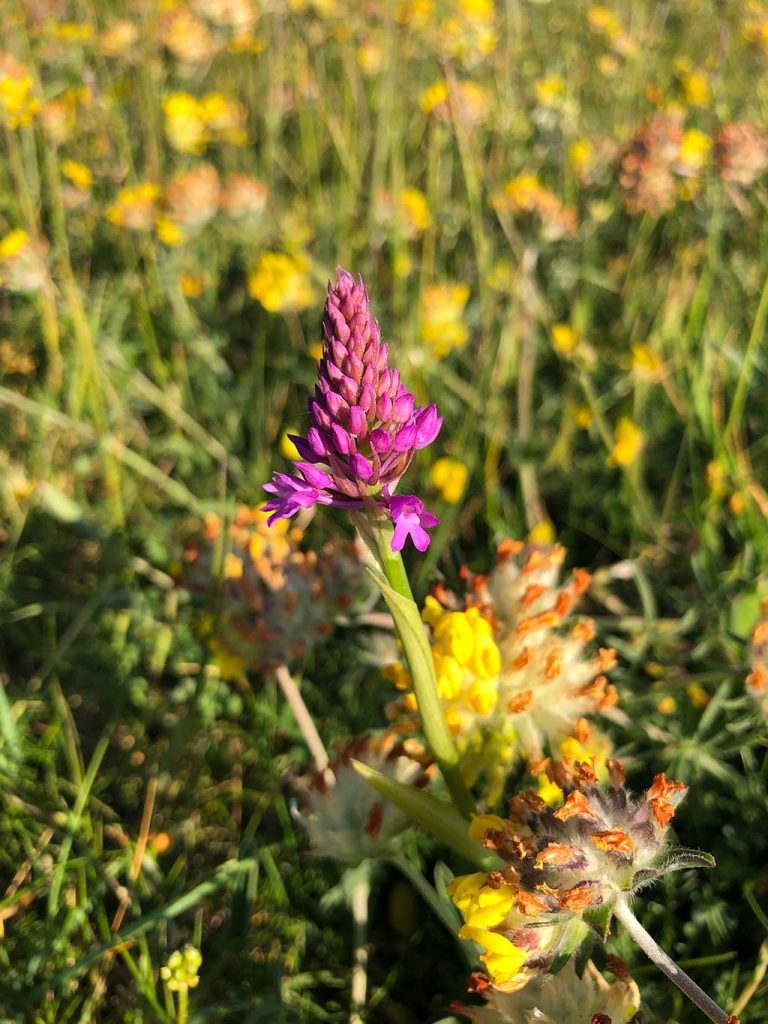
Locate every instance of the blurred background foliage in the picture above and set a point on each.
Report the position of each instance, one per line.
(559, 211)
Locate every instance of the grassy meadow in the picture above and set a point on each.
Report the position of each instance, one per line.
(560, 213)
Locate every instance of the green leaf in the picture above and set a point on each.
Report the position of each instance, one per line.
(437, 817)
(682, 858)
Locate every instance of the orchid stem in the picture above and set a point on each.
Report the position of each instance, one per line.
(303, 718)
(667, 965)
(418, 656)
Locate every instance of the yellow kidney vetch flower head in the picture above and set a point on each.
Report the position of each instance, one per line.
(629, 440)
(78, 174)
(414, 210)
(280, 282)
(441, 313)
(18, 104)
(449, 476)
(135, 207)
(185, 123)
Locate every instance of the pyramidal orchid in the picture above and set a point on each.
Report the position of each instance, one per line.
(364, 425)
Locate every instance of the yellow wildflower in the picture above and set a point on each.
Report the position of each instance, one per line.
(17, 104)
(584, 417)
(442, 308)
(580, 155)
(13, 243)
(603, 22)
(646, 363)
(280, 282)
(119, 38)
(564, 339)
(181, 971)
(22, 267)
(225, 117)
(185, 123)
(542, 533)
(73, 32)
(78, 174)
(186, 36)
(696, 88)
(698, 696)
(415, 211)
(549, 90)
(135, 206)
(432, 97)
(695, 148)
(667, 706)
(449, 476)
(628, 443)
(191, 285)
(168, 231)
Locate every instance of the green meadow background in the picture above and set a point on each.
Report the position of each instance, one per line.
(559, 210)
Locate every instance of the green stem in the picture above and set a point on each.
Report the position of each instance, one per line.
(667, 966)
(418, 656)
(182, 1014)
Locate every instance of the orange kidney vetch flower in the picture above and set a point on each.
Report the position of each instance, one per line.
(560, 864)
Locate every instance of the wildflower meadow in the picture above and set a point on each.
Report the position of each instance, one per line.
(383, 511)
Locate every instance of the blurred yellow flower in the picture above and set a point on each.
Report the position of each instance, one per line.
(696, 88)
(603, 22)
(542, 533)
(168, 231)
(225, 117)
(135, 206)
(191, 285)
(549, 90)
(119, 38)
(17, 104)
(628, 444)
(186, 36)
(646, 363)
(73, 32)
(280, 282)
(472, 100)
(78, 174)
(580, 155)
(667, 706)
(13, 243)
(433, 96)
(449, 476)
(415, 211)
(185, 123)
(565, 339)
(698, 696)
(695, 147)
(441, 312)
(22, 267)
(584, 417)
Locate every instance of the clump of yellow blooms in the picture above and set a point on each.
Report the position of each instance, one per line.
(449, 476)
(513, 680)
(191, 123)
(78, 174)
(525, 195)
(136, 206)
(469, 32)
(280, 282)
(628, 443)
(22, 267)
(442, 326)
(18, 103)
(471, 98)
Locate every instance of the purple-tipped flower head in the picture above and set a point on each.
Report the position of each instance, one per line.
(364, 424)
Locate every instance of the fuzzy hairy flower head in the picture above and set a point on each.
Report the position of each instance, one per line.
(563, 998)
(442, 324)
(135, 207)
(649, 166)
(192, 196)
(741, 151)
(22, 262)
(517, 681)
(757, 680)
(364, 425)
(345, 817)
(187, 37)
(273, 600)
(280, 282)
(244, 198)
(562, 863)
(524, 196)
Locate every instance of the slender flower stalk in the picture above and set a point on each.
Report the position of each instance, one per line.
(304, 720)
(667, 965)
